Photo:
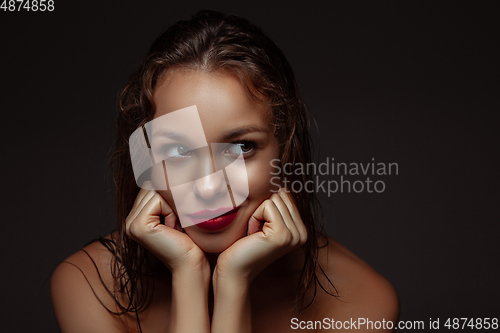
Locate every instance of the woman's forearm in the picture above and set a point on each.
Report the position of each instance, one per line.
(189, 307)
(232, 311)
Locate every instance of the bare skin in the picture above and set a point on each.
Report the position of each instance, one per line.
(253, 265)
(363, 294)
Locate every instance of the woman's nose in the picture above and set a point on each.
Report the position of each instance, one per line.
(211, 186)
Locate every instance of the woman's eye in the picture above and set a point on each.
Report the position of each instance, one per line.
(246, 148)
(176, 151)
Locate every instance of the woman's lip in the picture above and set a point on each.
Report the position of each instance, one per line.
(217, 223)
(208, 214)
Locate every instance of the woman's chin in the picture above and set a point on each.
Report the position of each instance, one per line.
(214, 249)
(212, 242)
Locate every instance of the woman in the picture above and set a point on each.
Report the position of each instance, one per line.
(251, 265)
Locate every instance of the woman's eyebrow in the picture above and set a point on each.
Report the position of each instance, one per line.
(241, 131)
(178, 136)
(169, 133)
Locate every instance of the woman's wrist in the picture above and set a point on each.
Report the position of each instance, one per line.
(196, 263)
(199, 273)
(232, 310)
(190, 288)
(233, 284)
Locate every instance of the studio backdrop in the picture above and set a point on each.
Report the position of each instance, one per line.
(404, 92)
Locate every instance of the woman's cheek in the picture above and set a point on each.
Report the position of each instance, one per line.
(261, 182)
(161, 186)
(167, 195)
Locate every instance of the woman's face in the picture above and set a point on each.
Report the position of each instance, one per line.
(233, 126)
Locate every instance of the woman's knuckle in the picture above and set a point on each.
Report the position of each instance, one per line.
(134, 230)
(295, 240)
(268, 204)
(303, 237)
(285, 238)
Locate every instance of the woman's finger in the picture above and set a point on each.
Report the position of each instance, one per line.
(294, 212)
(274, 226)
(149, 215)
(287, 217)
(139, 199)
(146, 189)
(142, 198)
(254, 226)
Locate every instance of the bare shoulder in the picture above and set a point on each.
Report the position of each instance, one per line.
(78, 290)
(92, 263)
(362, 292)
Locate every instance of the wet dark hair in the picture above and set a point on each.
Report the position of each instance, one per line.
(212, 41)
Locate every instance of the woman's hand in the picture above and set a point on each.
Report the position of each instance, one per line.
(282, 231)
(166, 241)
(274, 229)
(187, 262)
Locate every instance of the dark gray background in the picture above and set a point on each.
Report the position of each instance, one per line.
(414, 83)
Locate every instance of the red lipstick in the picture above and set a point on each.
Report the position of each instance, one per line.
(216, 223)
